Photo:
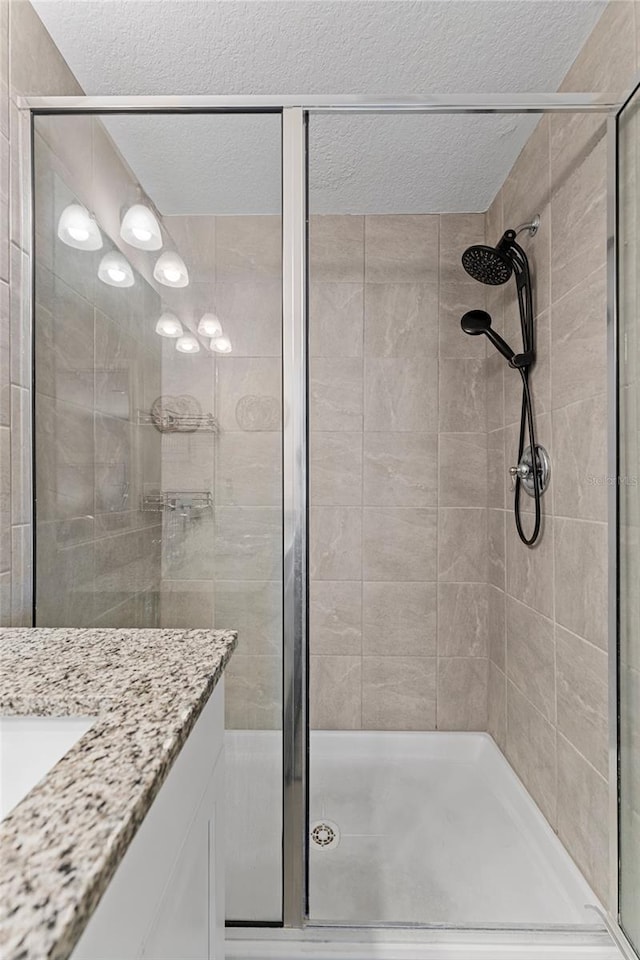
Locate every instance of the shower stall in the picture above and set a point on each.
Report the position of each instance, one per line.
(261, 413)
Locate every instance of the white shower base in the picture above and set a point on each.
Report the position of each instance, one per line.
(435, 828)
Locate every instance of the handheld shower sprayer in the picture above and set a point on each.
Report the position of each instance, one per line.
(476, 322)
(495, 266)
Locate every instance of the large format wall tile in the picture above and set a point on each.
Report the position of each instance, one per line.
(335, 615)
(578, 214)
(336, 319)
(248, 543)
(583, 806)
(457, 232)
(5, 502)
(254, 609)
(401, 319)
(336, 249)
(531, 748)
(579, 342)
(335, 695)
(399, 543)
(399, 619)
(187, 603)
(401, 249)
(462, 544)
(336, 543)
(581, 578)
(463, 469)
(253, 693)
(526, 190)
(579, 478)
(401, 394)
(249, 468)
(399, 693)
(496, 626)
(64, 342)
(400, 469)
(531, 656)
(496, 558)
(336, 394)
(497, 706)
(5, 355)
(462, 398)
(455, 300)
(248, 248)
(530, 569)
(496, 470)
(462, 619)
(248, 392)
(462, 693)
(583, 697)
(335, 468)
(36, 65)
(251, 316)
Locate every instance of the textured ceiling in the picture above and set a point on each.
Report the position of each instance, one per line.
(358, 164)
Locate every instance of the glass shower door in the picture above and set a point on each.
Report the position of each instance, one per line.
(629, 517)
(158, 425)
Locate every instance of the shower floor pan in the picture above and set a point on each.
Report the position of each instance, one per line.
(422, 828)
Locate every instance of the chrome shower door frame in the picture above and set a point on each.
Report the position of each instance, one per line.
(295, 112)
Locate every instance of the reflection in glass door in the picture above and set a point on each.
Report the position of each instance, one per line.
(629, 517)
(158, 415)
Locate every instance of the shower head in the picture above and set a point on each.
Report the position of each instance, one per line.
(490, 265)
(494, 265)
(476, 322)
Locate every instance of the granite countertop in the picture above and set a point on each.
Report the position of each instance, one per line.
(61, 845)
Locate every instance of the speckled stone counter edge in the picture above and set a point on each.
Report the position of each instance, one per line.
(60, 846)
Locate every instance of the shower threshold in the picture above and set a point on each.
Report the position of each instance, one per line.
(424, 842)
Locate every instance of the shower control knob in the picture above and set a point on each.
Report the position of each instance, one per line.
(524, 470)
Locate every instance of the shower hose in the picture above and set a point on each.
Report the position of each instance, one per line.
(527, 426)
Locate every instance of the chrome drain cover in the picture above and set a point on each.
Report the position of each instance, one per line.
(325, 834)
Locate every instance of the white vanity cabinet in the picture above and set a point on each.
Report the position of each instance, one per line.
(166, 899)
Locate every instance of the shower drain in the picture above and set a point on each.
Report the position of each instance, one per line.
(325, 834)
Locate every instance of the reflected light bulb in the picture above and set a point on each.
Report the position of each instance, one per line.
(170, 270)
(78, 233)
(77, 228)
(140, 228)
(221, 345)
(187, 344)
(168, 325)
(140, 233)
(115, 270)
(209, 326)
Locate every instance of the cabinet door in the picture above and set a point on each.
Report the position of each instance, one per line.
(185, 927)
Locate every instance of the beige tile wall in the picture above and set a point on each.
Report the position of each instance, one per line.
(398, 466)
(224, 567)
(629, 610)
(97, 362)
(548, 606)
(29, 63)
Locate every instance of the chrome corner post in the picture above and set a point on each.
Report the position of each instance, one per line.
(294, 370)
(613, 518)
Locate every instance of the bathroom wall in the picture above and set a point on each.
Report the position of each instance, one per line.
(548, 605)
(629, 608)
(92, 532)
(398, 630)
(223, 566)
(29, 63)
(97, 371)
